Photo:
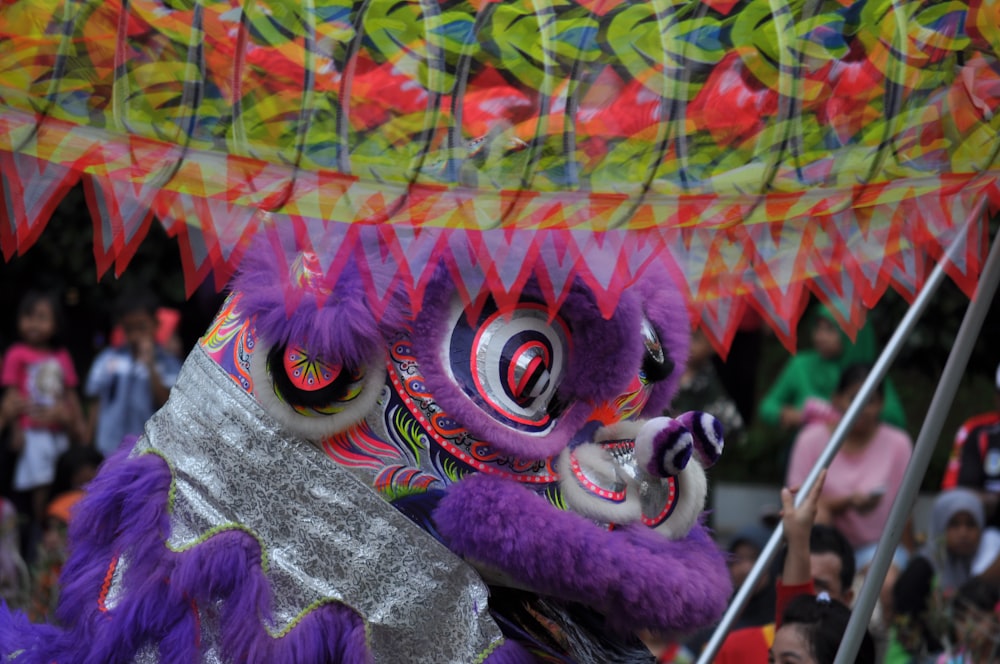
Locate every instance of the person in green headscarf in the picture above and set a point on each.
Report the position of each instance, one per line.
(809, 379)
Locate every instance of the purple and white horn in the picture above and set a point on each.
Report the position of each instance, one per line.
(708, 436)
(663, 447)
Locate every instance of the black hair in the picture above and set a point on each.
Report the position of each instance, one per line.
(33, 298)
(76, 457)
(69, 462)
(823, 623)
(135, 300)
(976, 593)
(855, 374)
(827, 539)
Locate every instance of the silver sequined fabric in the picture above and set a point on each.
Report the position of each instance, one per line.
(327, 535)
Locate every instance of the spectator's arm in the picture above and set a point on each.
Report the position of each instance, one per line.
(146, 354)
(798, 523)
(11, 368)
(796, 575)
(859, 502)
(11, 406)
(159, 389)
(77, 425)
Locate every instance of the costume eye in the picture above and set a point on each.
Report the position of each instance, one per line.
(528, 371)
(310, 385)
(511, 363)
(656, 364)
(313, 397)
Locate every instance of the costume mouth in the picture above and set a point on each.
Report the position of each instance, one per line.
(624, 537)
(632, 574)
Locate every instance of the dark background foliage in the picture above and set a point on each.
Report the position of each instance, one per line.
(63, 260)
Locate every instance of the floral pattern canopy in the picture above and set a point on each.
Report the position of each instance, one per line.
(760, 150)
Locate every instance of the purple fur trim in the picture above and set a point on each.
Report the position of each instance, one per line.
(341, 327)
(510, 652)
(607, 353)
(633, 575)
(672, 447)
(708, 436)
(125, 511)
(664, 306)
(16, 633)
(604, 355)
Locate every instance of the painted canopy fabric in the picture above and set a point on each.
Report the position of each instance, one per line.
(762, 150)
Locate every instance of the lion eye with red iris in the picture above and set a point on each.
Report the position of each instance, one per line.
(510, 363)
(528, 372)
(309, 384)
(312, 396)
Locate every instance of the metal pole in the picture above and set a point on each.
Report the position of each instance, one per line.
(876, 375)
(944, 394)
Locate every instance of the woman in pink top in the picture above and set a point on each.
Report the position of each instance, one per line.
(866, 474)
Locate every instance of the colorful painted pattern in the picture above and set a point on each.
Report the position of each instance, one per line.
(309, 373)
(459, 452)
(760, 149)
(230, 340)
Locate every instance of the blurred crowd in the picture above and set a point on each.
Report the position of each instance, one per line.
(52, 441)
(940, 601)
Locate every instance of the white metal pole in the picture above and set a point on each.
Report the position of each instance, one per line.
(944, 394)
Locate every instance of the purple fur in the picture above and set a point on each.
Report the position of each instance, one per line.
(633, 575)
(708, 444)
(126, 511)
(510, 652)
(17, 633)
(604, 355)
(672, 447)
(664, 306)
(341, 327)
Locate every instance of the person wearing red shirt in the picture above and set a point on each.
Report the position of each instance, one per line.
(975, 459)
(817, 558)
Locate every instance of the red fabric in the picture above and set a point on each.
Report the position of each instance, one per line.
(749, 645)
(785, 594)
(950, 479)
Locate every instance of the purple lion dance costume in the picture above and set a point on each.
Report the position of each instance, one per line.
(325, 486)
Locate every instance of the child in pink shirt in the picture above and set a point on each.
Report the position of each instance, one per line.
(43, 376)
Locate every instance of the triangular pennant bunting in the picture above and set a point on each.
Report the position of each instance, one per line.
(31, 190)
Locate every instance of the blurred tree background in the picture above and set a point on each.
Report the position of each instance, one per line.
(63, 259)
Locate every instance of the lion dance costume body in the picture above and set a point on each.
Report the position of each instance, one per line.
(323, 486)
